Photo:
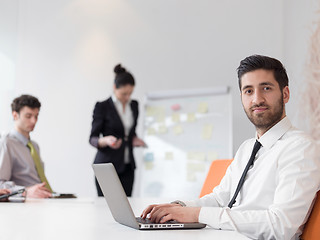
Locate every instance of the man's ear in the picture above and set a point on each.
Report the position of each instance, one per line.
(286, 94)
(15, 115)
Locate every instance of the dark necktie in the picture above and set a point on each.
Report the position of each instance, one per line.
(256, 148)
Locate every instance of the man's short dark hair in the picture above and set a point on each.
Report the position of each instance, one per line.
(25, 101)
(256, 62)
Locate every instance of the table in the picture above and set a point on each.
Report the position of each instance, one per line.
(85, 218)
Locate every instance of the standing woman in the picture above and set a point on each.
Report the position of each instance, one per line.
(113, 130)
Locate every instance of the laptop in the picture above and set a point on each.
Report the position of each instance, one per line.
(120, 207)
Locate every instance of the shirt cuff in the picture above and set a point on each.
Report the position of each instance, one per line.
(11, 186)
(94, 141)
(211, 216)
(192, 203)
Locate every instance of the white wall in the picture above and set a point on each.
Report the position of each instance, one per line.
(299, 20)
(64, 52)
(8, 46)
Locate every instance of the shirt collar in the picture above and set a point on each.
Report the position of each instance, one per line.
(116, 100)
(269, 138)
(20, 137)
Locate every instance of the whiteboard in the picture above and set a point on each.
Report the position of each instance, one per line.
(185, 131)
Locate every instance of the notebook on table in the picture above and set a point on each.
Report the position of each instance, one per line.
(120, 207)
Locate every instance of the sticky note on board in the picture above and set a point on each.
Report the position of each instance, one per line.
(203, 107)
(150, 111)
(159, 114)
(175, 117)
(160, 110)
(211, 156)
(160, 118)
(177, 129)
(191, 117)
(148, 157)
(175, 107)
(191, 155)
(192, 169)
(207, 131)
(151, 131)
(191, 177)
(169, 155)
(200, 156)
(195, 167)
(148, 165)
(162, 129)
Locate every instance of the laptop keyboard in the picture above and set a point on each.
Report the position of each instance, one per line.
(143, 220)
(148, 221)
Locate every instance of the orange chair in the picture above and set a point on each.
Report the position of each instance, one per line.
(216, 172)
(311, 230)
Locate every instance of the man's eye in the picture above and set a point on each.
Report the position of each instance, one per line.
(267, 88)
(248, 91)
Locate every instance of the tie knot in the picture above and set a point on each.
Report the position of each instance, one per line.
(257, 146)
(30, 146)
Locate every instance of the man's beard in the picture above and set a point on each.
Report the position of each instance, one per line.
(266, 120)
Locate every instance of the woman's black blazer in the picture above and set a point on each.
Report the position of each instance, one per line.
(106, 121)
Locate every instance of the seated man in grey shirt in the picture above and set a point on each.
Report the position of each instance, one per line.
(18, 169)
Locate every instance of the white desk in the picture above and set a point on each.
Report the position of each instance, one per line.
(84, 219)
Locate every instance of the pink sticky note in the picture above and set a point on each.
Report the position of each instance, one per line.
(175, 107)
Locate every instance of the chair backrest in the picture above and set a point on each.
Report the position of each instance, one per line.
(312, 228)
(216, 172)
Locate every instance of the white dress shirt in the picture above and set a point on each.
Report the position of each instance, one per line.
(277, 193)
(126, 117)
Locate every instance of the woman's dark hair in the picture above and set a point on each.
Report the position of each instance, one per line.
(122, 77)
(256, 62)
(25, 101)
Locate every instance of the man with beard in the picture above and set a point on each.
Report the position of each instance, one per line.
(269, 196)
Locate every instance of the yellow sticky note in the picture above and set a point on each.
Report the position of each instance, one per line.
(148, 165)
(203, 107)
(177, 129)
(160, 114)
(196, 167)
(201, 168)
(190, 167)
(191, 117)
(151, 131)
(211, 156)
(169, 156)
(176, 117)
(160, 110)
(191, 155)
(162, 129)
(150, 111)
(160, 118)
(191, 177)
(207, 131)
(200, 156)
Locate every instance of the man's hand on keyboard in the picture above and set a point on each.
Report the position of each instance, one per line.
(161, 213)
